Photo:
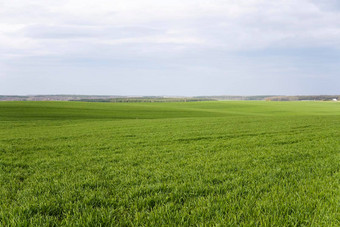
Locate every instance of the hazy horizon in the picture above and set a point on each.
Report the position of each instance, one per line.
(170, 48)
(168, 95)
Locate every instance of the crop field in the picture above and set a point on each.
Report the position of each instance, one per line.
(234, 163)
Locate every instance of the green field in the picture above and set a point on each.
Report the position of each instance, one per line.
(242, 163)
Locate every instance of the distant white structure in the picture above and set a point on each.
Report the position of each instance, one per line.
(335, 100)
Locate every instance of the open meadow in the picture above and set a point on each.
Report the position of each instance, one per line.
(234, 163)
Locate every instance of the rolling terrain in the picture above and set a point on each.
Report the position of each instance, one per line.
(234, 163)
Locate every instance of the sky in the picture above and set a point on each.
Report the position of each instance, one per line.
(170, 47)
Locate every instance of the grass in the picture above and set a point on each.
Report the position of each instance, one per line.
(205, 163)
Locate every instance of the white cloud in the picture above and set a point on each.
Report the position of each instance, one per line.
(205, 31)
(41, 25)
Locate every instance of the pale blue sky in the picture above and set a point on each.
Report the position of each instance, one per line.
(178, 47)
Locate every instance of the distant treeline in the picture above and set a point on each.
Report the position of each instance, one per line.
(52, 97)
(304, 98)
(231, 97)
(103, 98)
(143, 99)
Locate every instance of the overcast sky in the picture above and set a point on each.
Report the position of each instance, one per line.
(170, 47)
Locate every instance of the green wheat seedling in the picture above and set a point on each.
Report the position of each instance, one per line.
(178, 164)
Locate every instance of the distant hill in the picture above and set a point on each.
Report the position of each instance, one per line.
(304, 98)
(53, 97)
(116, 98)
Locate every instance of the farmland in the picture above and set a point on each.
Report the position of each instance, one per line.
(204, 163)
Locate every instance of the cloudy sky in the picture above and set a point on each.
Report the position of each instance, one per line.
(170, 47)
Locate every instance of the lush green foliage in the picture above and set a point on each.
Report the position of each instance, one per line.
(207, 163)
